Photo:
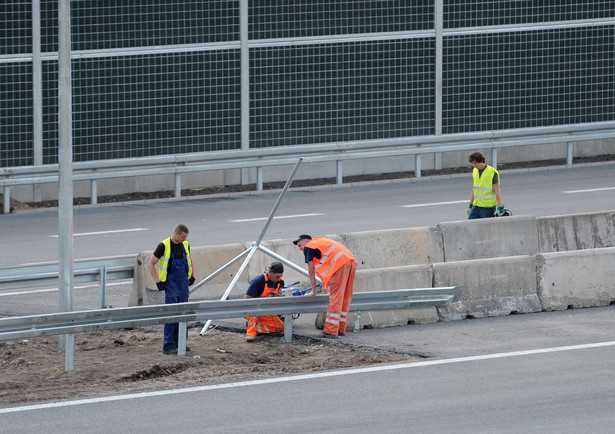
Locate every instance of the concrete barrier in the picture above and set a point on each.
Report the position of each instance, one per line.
(576, 231)
(489, 238)
(395, 247)
(507, 265)
(493, 287)
(576, 279)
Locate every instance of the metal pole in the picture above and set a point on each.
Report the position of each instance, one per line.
(439, 29)
(37, 85)
(256, 244)
(65, 160)
(291, 264)
(244, 81)
(102, 296)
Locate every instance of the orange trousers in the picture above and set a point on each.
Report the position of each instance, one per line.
(264, 324)
(341, 287)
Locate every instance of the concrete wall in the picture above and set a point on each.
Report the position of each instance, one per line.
(518, 264)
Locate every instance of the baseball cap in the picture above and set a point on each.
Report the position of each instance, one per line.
(276, 267)
(302, 237)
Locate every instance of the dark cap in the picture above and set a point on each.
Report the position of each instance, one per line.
(276, 267)
(302, 237)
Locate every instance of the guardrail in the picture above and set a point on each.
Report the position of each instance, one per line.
(91, 270)
(82, 321)
(287, 155)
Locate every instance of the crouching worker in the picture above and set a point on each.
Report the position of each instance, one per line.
(268, 284)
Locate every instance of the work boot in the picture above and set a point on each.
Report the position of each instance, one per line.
(170, 351)
(249, 338)
(328, 335)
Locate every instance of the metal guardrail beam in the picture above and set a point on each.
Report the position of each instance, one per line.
(107, 319)
(91, 270)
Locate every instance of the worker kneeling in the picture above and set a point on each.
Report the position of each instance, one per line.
(268, 284)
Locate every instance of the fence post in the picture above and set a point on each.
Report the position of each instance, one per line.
(102, 288)
(6, 205)
(93, 192)
(569, 147)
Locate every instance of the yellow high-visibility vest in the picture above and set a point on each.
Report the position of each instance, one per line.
(484, 194)
(164, 261)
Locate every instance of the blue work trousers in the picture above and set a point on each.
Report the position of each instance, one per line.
(177, 292)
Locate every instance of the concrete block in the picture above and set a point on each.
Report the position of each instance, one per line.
(576, 231)
(385, 279)
(493, 287)
(395, 247)
(576, 279)
(489, 238)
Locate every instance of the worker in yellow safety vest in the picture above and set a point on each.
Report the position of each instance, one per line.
(174, 274)
(486, 198)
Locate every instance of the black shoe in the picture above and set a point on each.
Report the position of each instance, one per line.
(328, 336)
(341, 334)
(187, 348)
(170, 351)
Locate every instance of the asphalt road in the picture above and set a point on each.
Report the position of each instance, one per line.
(31, 237)
(548, 372)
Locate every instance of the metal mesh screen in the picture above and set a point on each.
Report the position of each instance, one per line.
(310, 18)
(162, 77)
(340, 92)
(528, 79)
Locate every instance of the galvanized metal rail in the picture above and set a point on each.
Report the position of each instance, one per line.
(286, 155)
(89, 270)
(106, 319)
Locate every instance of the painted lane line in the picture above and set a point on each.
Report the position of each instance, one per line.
(433, 204)
(117, 231)
(591, 190)
(39, 291)
(276, 218)
(303, 377)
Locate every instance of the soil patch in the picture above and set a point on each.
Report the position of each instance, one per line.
(122, 361)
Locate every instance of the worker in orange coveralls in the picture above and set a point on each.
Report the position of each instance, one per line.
(336, 266)
(268, 284)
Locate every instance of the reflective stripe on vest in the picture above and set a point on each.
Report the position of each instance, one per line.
(484, 194)
(334, 255)
(164, 261)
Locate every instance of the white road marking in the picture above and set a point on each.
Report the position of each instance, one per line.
(117, 231)
(302, 377)
(38, 291)
(276, 218)
(591, 190)
(433, 204)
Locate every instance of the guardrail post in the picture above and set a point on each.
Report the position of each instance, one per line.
(181, 338)
(93, 192)
(569, 147)
(6, 203)
(494, 158)
(417, 165)
(102, 288)
(259, 178)
(288, 320)
(178, 185)
(339, 173)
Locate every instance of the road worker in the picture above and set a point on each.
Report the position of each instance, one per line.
(174, 275)
(336, 266)
(486, 198)
(268, 284)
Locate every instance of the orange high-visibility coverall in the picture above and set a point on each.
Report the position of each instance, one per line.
(336, 267)
(269, 323)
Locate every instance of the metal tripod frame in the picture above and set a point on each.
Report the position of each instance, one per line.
(253, 249)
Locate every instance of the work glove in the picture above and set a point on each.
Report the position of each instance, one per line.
(162, 286)
(499, 211)
(469, 209)
(191, 281)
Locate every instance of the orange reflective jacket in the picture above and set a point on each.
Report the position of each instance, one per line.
(268, 291)
(334, 255)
